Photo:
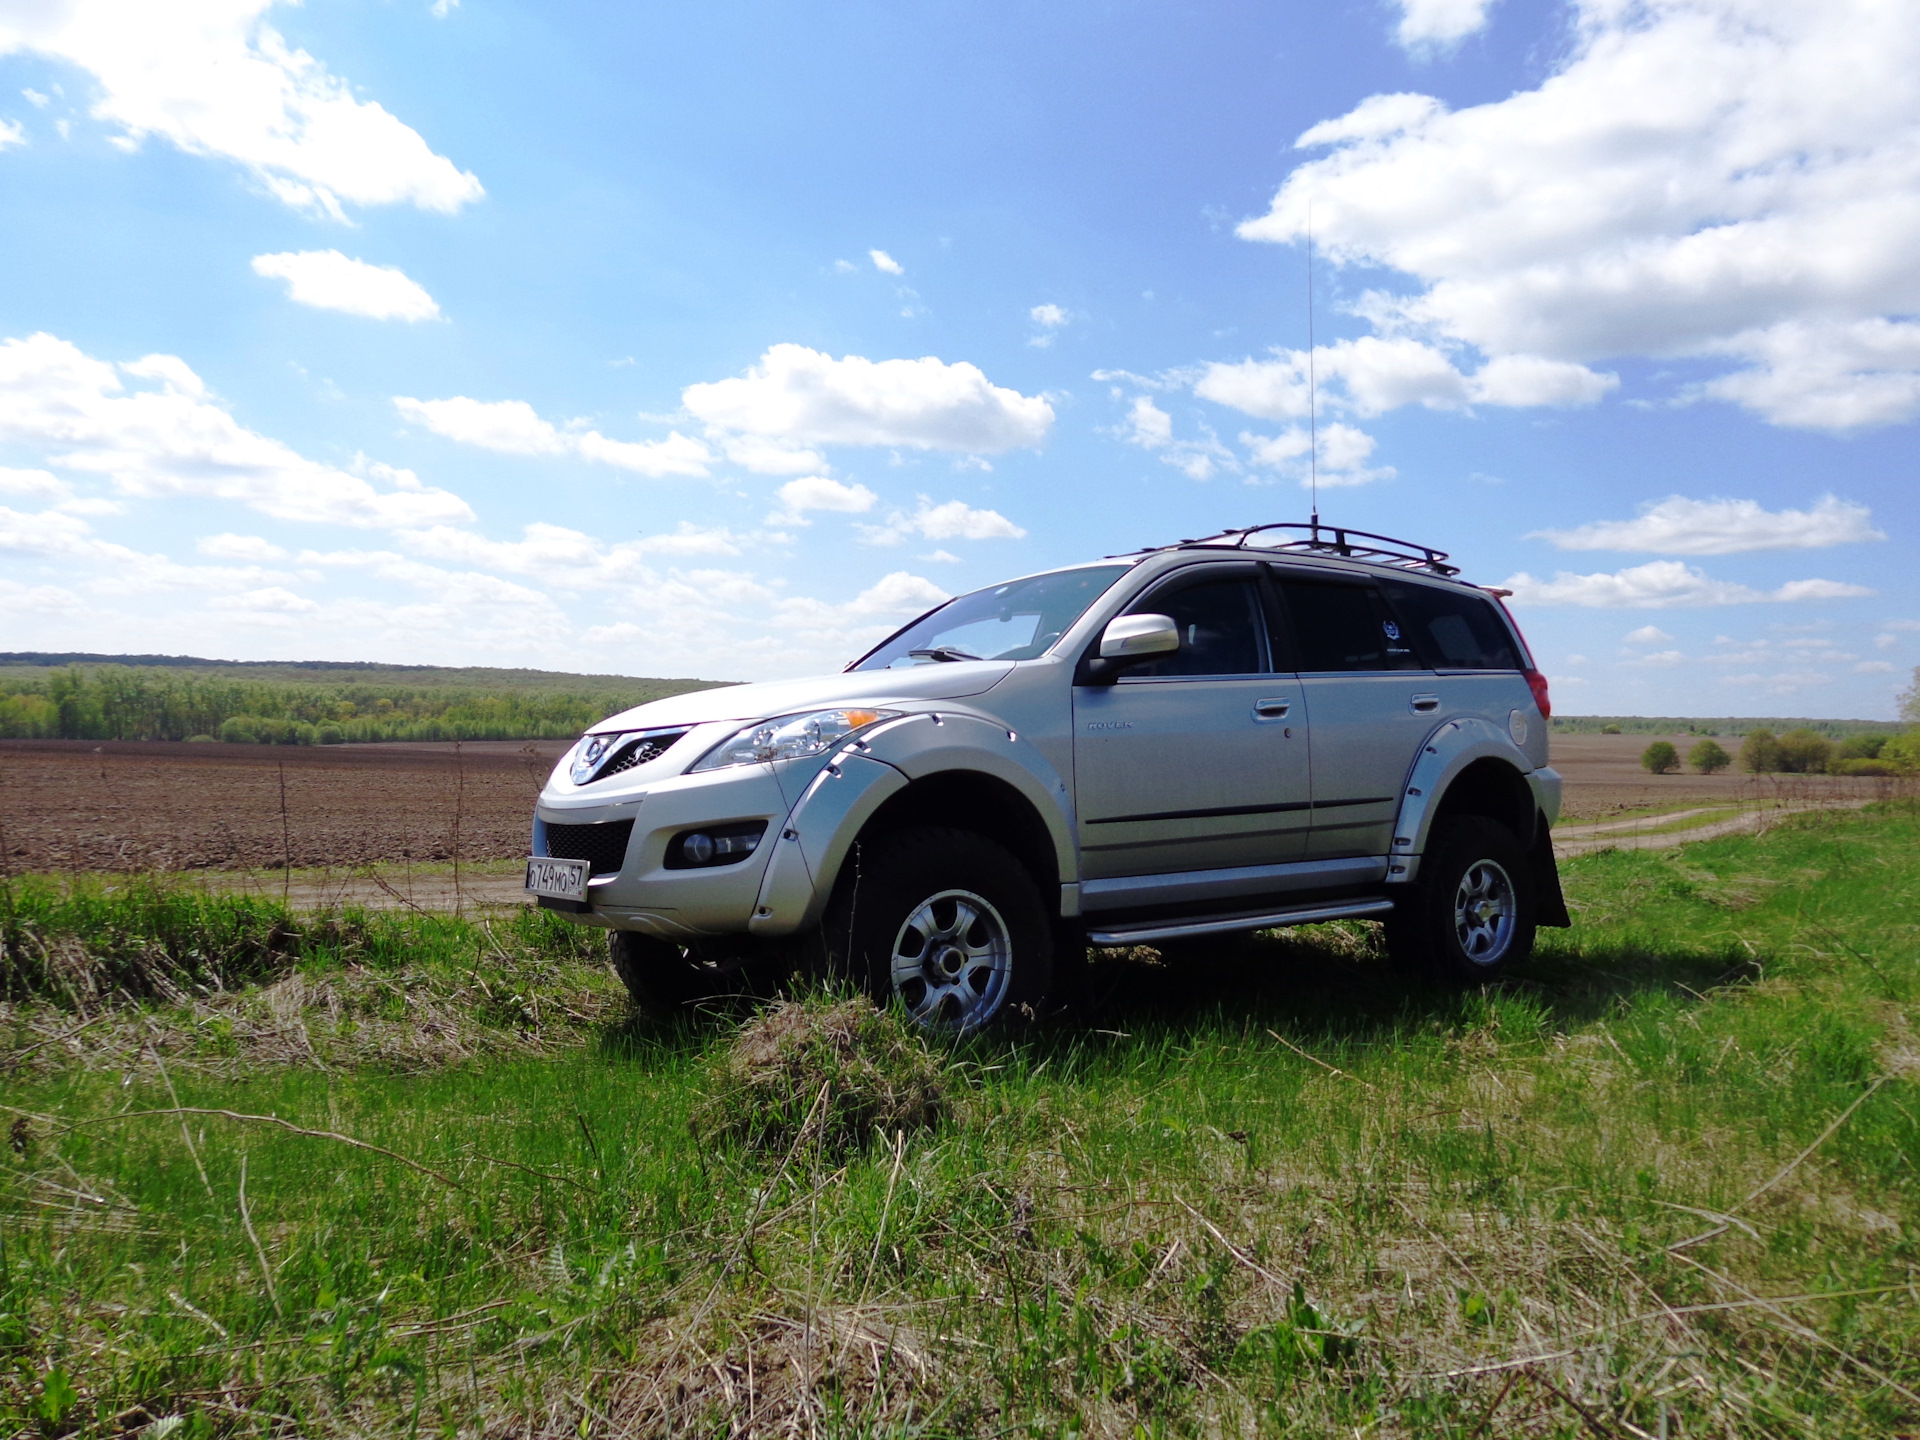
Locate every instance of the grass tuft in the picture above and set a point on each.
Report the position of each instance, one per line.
(821, 1072)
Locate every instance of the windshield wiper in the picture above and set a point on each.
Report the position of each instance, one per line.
(944, 653)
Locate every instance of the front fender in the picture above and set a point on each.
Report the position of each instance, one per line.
(1450, 749)
(923, 745)
(808, 849)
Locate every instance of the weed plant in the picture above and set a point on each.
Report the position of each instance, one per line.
(1662, 1183)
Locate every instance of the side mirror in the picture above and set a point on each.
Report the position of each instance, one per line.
(1130, 640)
(1139, 637)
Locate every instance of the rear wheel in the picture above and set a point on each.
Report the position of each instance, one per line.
(1471, 916)
(946, 923)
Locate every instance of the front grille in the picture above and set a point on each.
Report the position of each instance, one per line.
(647, 747)
(602, 846)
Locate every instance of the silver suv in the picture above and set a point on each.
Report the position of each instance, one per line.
(1266, 727)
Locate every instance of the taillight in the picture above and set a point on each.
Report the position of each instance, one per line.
(1537, 683)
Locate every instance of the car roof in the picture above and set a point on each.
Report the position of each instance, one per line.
(1319, 545)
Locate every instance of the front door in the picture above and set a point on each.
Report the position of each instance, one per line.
(1197, 761)
(1372, 705)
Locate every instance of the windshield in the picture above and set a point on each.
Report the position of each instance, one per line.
(1015, 621)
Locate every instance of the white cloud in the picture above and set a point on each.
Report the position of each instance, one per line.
(1708, 178)
(570, 560)
(941, 557)
(1874, 667)
(1647, 635)
(172, 438)
(1430, 24)
(211, 77)
(1662, 585)
(859, 622)
(817, 492)
(885, 263)
(270, 600)
(768, 457)
(514, 428)
(953, 520)
(252, 548)
(69, 540)
(328, 280)
(33, 484)
(1679, 526)
(36, 99)
(1371, 375)
(804, 397)
(1049, 317)
(11, 133)
(1342, 457)
(1151, 428)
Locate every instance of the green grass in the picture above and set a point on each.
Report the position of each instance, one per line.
(1274, 1192)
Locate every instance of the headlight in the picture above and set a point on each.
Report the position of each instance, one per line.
(789, 737)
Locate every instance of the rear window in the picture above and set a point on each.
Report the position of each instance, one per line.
(1454, 629)
(1342, 627)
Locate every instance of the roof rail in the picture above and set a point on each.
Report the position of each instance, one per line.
(1327, 540)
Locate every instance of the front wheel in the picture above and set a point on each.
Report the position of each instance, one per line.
(665, 978)
(946, 923)
(1471, 916)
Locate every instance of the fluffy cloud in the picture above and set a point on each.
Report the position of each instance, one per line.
(568, 559)
(513, 428)
(1430, 24)
(870, 616)
(50, 535)
(11, 133)
(768, 457)
(172, 438)
(1051, 319)
(328, 280)
(1679, 526)
(1663, 585)
(954, 520)
(804, 397)
(33, 484)
(817, 492)
(1151, 428)
(1647, 635)
(1371, 375)
(1341, 459)
(885, 263)
(211, 77)
(1734, 179)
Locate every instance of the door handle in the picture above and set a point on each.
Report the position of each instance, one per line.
(1425, 704)
(1275, 709)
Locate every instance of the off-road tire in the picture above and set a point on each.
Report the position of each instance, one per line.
(1442, 931)
(905, 890)
(665, 979)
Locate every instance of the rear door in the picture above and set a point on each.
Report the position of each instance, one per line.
(1464, 638)
(1197, 761)
(1371, 701)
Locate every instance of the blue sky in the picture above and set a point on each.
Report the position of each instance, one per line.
(716, 340)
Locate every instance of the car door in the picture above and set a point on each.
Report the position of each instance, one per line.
(1372, 705)
(1197, 761)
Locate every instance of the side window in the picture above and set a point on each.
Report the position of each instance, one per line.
(1343, 627)
(1221, 632)
(1454, 629)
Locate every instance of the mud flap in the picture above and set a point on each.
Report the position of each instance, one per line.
(1550, 905)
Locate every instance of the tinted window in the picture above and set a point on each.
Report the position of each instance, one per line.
(1343, 627)
(1015, 621)
(1453, 629)
(1220, 628)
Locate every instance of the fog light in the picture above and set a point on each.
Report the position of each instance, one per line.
(714, 845)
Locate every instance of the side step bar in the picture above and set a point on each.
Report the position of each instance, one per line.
(1148, 932)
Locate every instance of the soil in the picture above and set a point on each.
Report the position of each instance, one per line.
(82, 805)
(69, 805)
(1604, 780)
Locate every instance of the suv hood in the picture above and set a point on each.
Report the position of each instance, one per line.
(787, 697)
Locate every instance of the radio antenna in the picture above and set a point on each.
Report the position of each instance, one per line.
(1313, 404)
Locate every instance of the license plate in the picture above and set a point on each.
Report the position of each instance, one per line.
(557, 879)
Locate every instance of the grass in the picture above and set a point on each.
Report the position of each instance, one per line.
(1663, 1183)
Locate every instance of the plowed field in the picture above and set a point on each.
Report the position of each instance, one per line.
(126, 806)
(69, 805)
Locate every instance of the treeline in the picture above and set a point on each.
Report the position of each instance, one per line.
(120, 702)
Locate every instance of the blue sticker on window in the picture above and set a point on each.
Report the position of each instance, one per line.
(1393, 630)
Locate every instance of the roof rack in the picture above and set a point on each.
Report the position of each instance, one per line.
(1328, 540)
